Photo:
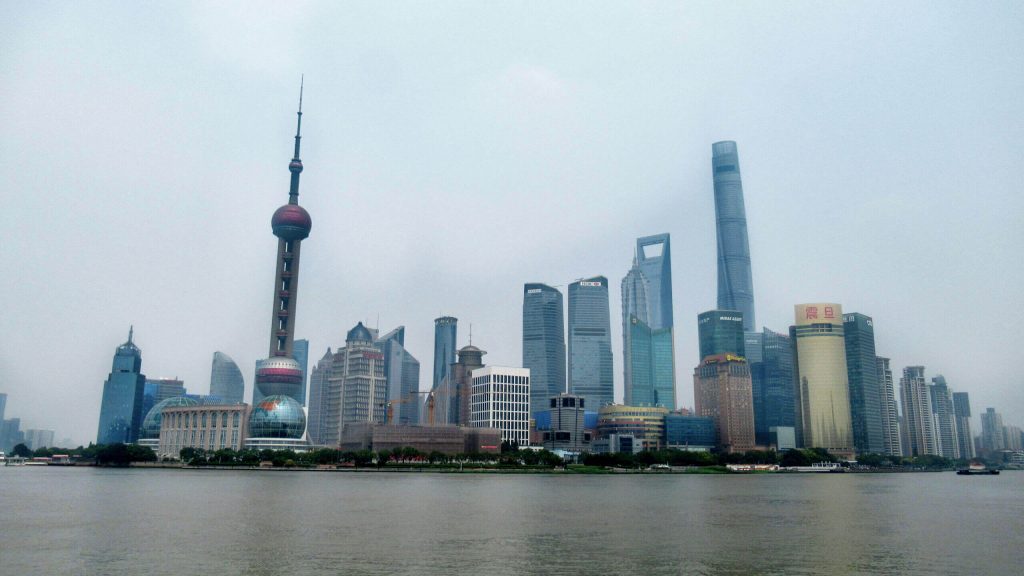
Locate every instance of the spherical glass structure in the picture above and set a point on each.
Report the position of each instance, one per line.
(277, 417)
(278, 376)
(151, 424)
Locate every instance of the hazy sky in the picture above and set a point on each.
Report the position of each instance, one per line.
(455, 151)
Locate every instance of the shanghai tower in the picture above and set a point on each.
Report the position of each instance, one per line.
(280, 374)
(735, 285)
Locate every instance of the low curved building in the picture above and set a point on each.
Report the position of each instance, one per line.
(149, 435)
(208, 427)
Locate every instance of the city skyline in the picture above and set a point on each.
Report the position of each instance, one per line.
(881, 186)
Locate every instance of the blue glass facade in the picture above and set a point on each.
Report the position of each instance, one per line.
(445, 331)
(121, 408)
(684, 430)
(865, 390)
(300, 352)
(402, 374)
(226, 381)
(654, 258)
(772, 379)
(652, 371)
(590, 346)
(735, 284)
(721, 332)
(543, 343)
(648, 333)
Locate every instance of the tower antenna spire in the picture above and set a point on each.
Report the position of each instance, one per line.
(295, 166)
(131, 332)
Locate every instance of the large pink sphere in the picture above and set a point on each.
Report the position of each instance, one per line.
(291, 222)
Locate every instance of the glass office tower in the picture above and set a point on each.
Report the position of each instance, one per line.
(445, 332)
(721, 332)
(226, 380)
(121, 408)
(590, 346)
(865, 393)
(648, 333)
(735, 284)
(543, 343)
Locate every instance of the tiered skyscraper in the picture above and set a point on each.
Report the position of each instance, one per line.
(590, 345)
(543, 343)
(280, 374)
(735, 284)
(121, 409)
(648, 334)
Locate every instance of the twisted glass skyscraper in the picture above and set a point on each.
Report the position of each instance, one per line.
(543, 343)
(735, 285)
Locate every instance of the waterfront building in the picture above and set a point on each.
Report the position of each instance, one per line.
(277, 423)
(226, 381)
(782, 438)
(651, 372)
(402, 375)
(450, 402)
(445, 333)
(947, 443)
(770, 357)
(500, 398)
(448, 440)
(150, 433)
(689, 432)
(648, 332)
(822, 388)
(723, 392)
(918, 425)
(3, 405)
(208, 427)
(280, 373)
(889, 412)
(543, 343)
(566, 424)
(121, 407)
(1013, 439)
(646, 424)
(654, 259)
(157, 390)
(358, 390)
(614, 443)
(862, 374)
(735, 283)
(318, 398)
(721, 332)
(962, 420)
(10, 434)
(992, 434)
(300, 352)
(590, 345)
(36, 439)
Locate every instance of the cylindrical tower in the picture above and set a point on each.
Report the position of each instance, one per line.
(280, 374)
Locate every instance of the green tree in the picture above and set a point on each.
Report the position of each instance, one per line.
(795, 457)
(113, 455)
(362, 457)
(138, 453)
(22, 451)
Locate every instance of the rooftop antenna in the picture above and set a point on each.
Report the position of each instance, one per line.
(131, 332)
(470, 333)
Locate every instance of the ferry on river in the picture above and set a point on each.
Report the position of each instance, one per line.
(976, 469)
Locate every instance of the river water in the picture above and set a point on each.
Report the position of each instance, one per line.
(160, 521)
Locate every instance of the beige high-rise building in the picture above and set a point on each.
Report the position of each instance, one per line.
(723, 391)
(822, 386)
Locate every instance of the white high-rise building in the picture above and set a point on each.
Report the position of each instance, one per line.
(500, 398)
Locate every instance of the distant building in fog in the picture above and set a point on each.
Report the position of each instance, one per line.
(226, 381)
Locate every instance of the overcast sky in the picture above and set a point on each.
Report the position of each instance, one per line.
(455, 151)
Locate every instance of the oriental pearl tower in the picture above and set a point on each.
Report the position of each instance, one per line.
(280, 374)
